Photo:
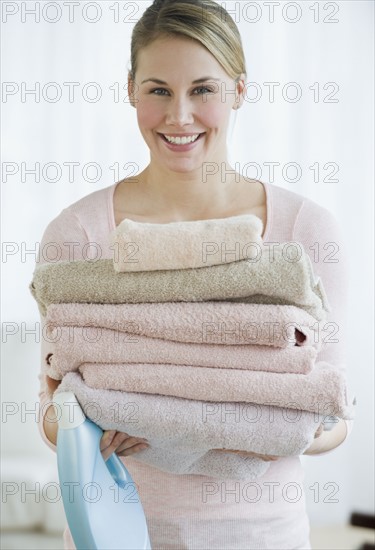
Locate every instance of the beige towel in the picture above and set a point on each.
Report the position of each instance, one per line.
(142, 246)
(272, 279)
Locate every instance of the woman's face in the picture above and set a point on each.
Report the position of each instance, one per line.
(183, 99)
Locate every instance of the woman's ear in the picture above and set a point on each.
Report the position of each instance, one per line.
(240, 91)
(131, 90)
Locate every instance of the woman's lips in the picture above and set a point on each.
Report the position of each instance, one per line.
(181, 147)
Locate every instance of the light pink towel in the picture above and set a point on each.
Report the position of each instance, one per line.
(323, 390)
(73, 346)
(139, 246)
(197, 322)
(183, 434)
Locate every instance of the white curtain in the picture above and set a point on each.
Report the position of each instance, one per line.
(320, 146)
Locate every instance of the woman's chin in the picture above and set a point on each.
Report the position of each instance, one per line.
(182, 166)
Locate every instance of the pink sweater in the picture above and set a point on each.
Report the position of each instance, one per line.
(200, 512)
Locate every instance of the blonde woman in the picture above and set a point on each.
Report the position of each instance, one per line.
(187, 74)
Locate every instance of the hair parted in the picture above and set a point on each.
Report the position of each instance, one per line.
(202, 20)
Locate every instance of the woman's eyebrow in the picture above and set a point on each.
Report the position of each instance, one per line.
(198, 81)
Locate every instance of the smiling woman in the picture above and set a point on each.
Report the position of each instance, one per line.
(183, 111)
(188, 74)
(182, 115)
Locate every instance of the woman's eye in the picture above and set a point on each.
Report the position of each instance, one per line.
(197, 91)
(158, 91)
(204, 90)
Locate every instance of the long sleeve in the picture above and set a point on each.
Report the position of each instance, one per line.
(322, 238)
(63, 240)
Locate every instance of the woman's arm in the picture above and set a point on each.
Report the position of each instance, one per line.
(322, 238)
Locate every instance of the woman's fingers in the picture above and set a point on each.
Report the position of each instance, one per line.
(267, 458)
(129, 443)
(106, 439)
(121, 443)
(52, 383)
(134, 449)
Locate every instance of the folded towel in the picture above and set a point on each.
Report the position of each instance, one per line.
(196, 322)
(323, 390)
(183, 433)
(273, 278)
(73, 346)
(142, 246)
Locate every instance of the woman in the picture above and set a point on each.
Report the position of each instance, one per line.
(187, 75)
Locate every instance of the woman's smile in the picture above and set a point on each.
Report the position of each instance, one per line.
(181, 142)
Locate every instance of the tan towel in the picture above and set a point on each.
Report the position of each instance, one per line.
(142, 246)
(196, 322)
(272, 279)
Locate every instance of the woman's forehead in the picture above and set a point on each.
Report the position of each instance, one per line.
(178, 55)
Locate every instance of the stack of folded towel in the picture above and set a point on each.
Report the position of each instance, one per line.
(197, 337)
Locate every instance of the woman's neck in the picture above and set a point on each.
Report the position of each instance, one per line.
(190, 195)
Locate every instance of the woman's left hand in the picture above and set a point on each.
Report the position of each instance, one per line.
(266, 458)
(121, 443)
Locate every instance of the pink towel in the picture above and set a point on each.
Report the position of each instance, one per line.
(323, 390)
(183, 434)
(139, 246)
(197, 322)
(73, 346)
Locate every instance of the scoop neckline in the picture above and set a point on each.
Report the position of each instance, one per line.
(111, 208)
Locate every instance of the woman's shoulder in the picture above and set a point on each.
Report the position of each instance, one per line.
(87, 220)
(303, 214)
(94, 209)
(91, 205)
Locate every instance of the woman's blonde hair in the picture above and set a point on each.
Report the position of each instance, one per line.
(201, 20)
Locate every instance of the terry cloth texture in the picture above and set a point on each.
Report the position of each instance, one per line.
(273, 278)
(183, 433)
(323, 390)
(323, 387)
(72, 346)
(140, 246)
(197, 322)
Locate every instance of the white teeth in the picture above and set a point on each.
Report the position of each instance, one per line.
(182, 140)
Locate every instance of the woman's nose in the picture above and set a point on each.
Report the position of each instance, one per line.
(179, 112)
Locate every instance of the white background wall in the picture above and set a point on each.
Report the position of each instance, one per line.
(335, 48)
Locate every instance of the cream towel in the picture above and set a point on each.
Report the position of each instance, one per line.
(196, 322)
(73, 346)
(141, 246)
(272, 279)
(183, 433)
